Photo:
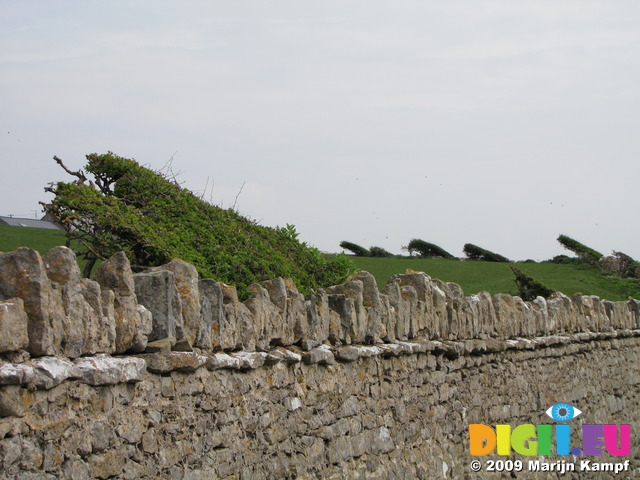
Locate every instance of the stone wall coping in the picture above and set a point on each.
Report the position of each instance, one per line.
(44, 373)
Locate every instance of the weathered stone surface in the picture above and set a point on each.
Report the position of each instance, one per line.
(287, 355)
(107, 370)
(186, 284)
(269, 322)
(115, 274)
(162, 345)
(163, 362)
(61, 265)
(157, 292)
(320, 355)
(213, 332)
(223, 360)
(239, 319)
(322, 321)
(13, 325)
(348, 301)
(24, 276)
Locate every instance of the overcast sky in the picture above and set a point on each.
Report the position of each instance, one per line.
(498, 123)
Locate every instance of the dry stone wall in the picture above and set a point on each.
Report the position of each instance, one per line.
(164, 375)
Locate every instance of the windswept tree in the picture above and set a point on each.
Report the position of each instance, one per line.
(587, 254)
(474, 252)
(528, 287)
(354, 248)
(115, 204)
(426, 249)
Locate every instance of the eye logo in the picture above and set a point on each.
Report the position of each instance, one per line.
(562, 412)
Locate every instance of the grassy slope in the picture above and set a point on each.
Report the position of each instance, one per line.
(40, 239)
(475, 276)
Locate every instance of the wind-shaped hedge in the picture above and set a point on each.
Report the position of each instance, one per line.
(474, 252)
(528, 287)
(585, 253)
(153, 219)
(354, 248)
(427, 250)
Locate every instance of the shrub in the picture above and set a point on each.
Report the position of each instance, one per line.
(473, 252)
(153, 219)
(354, 248)
(585, 253)
(379, 252)
(629, 268)
(427, 250)
(528, 287)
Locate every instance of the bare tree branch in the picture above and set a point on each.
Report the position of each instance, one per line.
(236, 200)
(79, 174)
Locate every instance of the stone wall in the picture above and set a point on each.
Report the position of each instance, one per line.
(164, 375)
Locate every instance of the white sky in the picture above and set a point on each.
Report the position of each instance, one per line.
(499, 123)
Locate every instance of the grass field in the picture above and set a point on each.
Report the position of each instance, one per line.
(472, 276)
(40, 239)
(475, 276)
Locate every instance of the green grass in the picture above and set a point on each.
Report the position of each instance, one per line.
(476, 276)
(40, 239)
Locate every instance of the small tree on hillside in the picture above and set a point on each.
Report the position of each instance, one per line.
(587, 254)
(474, 252)
(379, 252)
(427, 250)
(528, 287)
(628, 266)
(354, 248)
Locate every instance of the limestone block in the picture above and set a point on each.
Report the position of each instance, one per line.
(24, 276)
(320, 317)
(353, 314)
(187, 286)
(223, 360)
(164, 362)
(296, 313)
(346, 330)
(397, 323)
(561, 314)
(375, 328)
(62, 266)
(212, 329)
(513, 316)
(157, 292)
(13, 325)
(250, 360)
(107, 370)
(239, 318)
(115, 274)
(347, 353)
(268, 319)
(286, 355)
(320, 355)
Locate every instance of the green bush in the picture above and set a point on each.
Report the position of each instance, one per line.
(474, 252)
(528, 287)
(379, 252)
(426, 249)
(153, 219)
(628, 266)
(354, 248)
(585, 253)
